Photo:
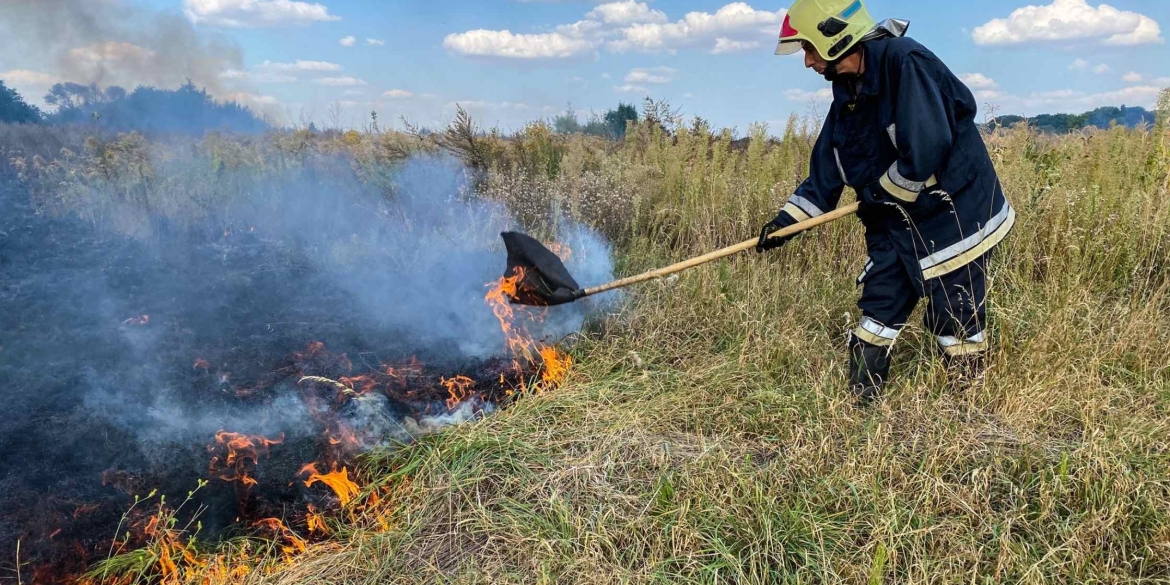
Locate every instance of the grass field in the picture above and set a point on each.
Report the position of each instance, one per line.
(705, 433)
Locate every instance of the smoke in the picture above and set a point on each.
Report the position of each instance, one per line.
(405, 269)
(110, 42)
(123, 356)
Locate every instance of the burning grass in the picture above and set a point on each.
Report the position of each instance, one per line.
(705, 435)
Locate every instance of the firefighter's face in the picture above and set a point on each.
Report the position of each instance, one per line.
(850, 65)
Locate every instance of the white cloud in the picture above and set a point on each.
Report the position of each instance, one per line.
(1079, 64)
(255, 13)
(1070, 20)
(397, 94)
(735, 21)
(626, 25)
(299, 66)
(631, 88)
(339, 81)
(978, 81)
(504, 44)
(348, 41)
(1072, 101)
(990, 95)
(799, 95)
(1101, 69)
(626, 12)
(1132, 77)
(724, 45)
(651, 75)
(375, 42)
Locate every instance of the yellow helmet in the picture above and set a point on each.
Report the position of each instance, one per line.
(831, 26)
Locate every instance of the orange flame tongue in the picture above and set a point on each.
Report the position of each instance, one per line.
(338, 481)
(239, 454)
(519, 342)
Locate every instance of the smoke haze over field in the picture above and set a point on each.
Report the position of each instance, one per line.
(125, 355)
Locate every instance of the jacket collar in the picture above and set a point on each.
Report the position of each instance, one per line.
(873, 51)
(870, 82)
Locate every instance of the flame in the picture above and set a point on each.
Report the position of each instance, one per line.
(518, 342)
(338, 481)
(459, 388)
(363, 384)
(522, 346)
(556, 367)
(295, 544)
(315, 521)
(239, 454)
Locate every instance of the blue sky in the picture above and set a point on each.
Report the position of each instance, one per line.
(711, 58)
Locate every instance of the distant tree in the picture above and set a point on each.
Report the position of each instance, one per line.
(567, 123)
(1104, 117)
(13, 108)
(186, 110)
(617, 119)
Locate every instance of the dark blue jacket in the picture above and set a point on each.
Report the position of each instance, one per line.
(905, 137)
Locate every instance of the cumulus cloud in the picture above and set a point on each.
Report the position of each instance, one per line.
(725, 45)
(1070, 20)
(348, 41)
(651, 75)
(631, 88)
(375, 42)
(339, 81)
(626, 25)
(1101, 69)
(255, 13)
(732, 22)
(1079, 64)
(626, 12)
(504, 44)
(799, 95)
(397, 94)
(978, 81)
(1132, 77)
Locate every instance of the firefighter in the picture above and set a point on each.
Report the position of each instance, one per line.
(901, 133)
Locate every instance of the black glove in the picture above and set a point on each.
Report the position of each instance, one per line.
(766, 243)
(874, 207)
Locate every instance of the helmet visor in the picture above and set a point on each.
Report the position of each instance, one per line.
(789, 47)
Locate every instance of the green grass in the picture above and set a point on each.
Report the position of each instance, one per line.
(705, 434)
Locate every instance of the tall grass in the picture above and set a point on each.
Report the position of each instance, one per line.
(705, 434)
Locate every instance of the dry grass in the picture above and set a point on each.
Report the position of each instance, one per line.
(705, 434)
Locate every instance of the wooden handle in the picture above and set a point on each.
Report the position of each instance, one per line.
(713, 256)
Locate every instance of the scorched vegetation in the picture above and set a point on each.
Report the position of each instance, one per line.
(699, 431)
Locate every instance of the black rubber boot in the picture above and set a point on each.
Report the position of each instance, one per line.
(966, 370)
(869, 368)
